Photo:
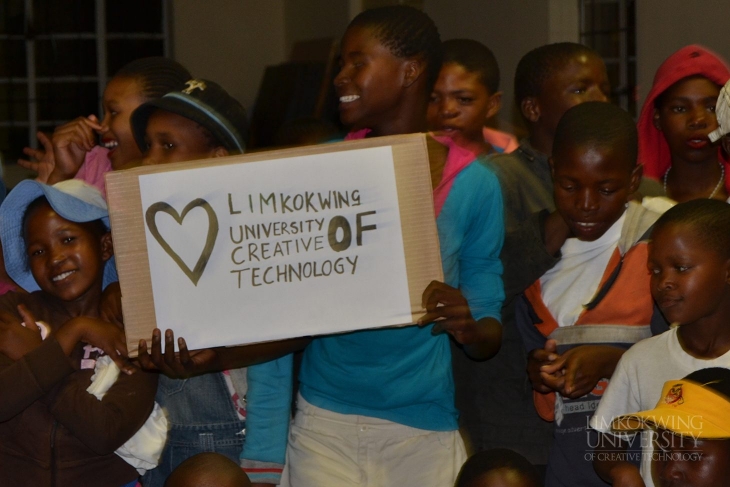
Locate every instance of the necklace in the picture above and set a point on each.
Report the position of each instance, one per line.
(714, 191)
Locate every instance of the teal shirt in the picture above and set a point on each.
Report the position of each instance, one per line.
(404, 374)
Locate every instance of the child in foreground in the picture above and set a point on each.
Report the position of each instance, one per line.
(578, 319)
(72, 151)
(390, 391)
(241, 413)
(58, 247)
(498, 468)
(466, 96)
(689, 264)
(208, 470)
(692, 426)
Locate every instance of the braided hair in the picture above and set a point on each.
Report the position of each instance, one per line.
(406, 32)
(157, 75)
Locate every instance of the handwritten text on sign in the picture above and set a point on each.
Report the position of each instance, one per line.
(247, 252)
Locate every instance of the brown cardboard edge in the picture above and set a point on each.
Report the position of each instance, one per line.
(420, 235)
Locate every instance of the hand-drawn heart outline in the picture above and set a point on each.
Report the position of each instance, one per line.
(195, 274)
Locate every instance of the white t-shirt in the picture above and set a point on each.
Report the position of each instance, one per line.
(574, 280)
(637, 382)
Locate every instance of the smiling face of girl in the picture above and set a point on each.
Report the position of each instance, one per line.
(121, 97)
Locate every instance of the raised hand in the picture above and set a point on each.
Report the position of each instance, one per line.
(43, 160)
(71, 142)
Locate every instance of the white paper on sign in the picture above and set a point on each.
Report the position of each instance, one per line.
(238, 256)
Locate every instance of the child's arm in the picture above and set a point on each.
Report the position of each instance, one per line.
(103, 426)
(34, 368)
(187, 364)
(268, 412)
(471, 233)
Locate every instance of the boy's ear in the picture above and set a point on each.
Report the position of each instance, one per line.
(655, 120)
(636, 179)
(107, 247)
(413, 69)
(530, 109)
(220, 151)
(494, 105)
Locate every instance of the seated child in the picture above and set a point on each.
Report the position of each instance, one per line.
(58, 247)
(242, 413)
(580, 316)
(692, 425)
(74, 151)
(689, 264)
(675, 122)
(498, 468)
(208, 470)
(466, 95)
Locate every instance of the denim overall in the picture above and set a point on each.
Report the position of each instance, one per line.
(201, 417)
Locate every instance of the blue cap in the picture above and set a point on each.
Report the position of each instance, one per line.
(73, 200)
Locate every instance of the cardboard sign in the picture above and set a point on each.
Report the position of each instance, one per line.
(280, 244)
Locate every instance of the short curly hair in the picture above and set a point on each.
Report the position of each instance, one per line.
(538, 65)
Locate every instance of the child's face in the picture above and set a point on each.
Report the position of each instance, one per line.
(121, 97)
(687, 116)
(460, 105)
(66, 258)
(592, 186)
(685, 462)
(370, 82)
(581, 79)
(174, 138)
(689, 280)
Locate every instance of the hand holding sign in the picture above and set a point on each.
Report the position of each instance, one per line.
(175, 365)
(450, 310)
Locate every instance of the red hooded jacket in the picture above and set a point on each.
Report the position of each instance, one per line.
(692, 60)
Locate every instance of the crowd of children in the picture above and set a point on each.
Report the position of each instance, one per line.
(565, 258)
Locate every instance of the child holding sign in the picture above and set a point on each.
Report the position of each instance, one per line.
(390, 391)
(241, 413)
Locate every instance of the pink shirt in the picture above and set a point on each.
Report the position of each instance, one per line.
(96, 164)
